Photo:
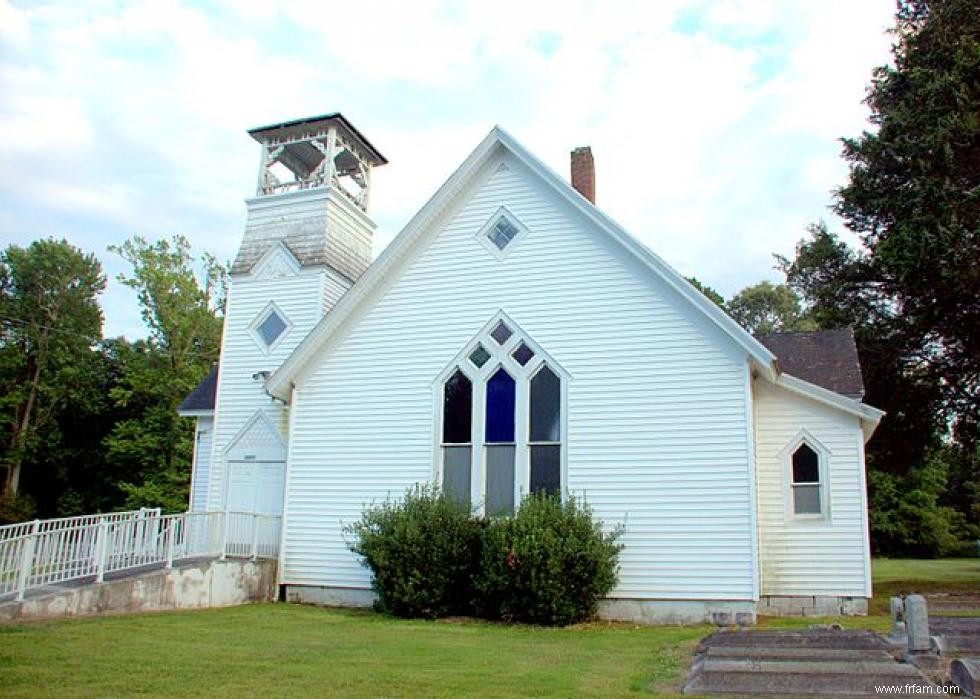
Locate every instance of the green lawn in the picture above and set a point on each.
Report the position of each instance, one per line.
(279, 649)
(293, 650)
(895, 576)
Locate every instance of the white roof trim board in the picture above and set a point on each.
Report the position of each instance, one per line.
(279, 384)
(869, 415)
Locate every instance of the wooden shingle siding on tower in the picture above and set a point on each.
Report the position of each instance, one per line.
(658, 437)
(319, 227)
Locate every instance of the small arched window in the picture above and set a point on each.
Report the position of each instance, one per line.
(806, 483)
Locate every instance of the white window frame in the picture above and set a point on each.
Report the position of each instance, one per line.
(500, 356)
(824, 456)
(253, 328)
(482, 235)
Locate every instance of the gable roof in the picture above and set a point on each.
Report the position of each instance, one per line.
(201, 399)
(826, 358)
(385, 267)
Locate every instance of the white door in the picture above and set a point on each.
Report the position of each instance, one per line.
(256, 486)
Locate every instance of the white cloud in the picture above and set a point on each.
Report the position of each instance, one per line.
(714, 124)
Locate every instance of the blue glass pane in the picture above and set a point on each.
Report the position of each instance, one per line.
(500, 407)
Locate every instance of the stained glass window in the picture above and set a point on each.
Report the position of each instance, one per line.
(457, 409)
(501, 397)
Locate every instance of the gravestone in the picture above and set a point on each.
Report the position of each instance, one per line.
(965, 674)
(917, 624)
(898, 621)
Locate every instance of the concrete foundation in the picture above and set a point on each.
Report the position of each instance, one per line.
(811, 605)
(640, 611)
(203, 584)
(648, 611)
(330, 596)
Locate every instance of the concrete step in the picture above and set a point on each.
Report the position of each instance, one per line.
(804, 654)
(810, 683)
(803, 667)
(814, 662)
(959, 645)
(747, 638)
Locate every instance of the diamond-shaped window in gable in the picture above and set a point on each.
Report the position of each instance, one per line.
(269, 328)
(502, 233)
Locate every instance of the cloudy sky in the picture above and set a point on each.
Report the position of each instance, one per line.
(714, 125)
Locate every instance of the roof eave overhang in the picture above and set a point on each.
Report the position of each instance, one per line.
(198, 412)
(869, 415)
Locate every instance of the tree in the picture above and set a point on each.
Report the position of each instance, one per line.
(50, 322)
(153, 446)
(836, 286)
(712, 295)
(914, 189)
(766, 308)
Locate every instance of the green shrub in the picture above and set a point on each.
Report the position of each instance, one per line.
(422, 550)
(548, 564)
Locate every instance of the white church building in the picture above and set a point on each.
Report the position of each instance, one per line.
(514, 338)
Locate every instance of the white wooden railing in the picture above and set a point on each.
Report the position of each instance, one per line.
(12, 531)
(45, 552)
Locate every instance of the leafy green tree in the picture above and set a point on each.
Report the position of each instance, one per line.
(183, 311)
(836, 286)
(713, 295)
(50, 322)
(906, 514)
(766, 308)
(914, 189)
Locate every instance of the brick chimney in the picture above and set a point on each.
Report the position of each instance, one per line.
(583, 172)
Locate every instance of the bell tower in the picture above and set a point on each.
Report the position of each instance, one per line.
(307, 240)
(312, 195)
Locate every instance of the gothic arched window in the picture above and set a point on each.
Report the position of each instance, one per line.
(502, 421)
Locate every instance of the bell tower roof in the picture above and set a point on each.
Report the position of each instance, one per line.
(316, 152)
(310, 127)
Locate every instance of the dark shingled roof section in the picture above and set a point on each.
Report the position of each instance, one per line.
(827, 358)
(202, 397)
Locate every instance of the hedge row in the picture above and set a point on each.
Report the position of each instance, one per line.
(550, 563)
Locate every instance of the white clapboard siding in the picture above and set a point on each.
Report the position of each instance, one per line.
(807, 557)
(302, 297)
(658, 436)
(201, 472)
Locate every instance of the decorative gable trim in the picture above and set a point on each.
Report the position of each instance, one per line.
(257, 440)
(277, 261)
(384, 268)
